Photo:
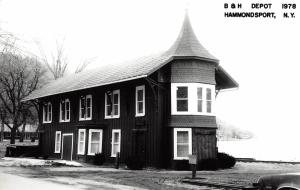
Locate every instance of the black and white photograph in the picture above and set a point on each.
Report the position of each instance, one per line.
(140, 94)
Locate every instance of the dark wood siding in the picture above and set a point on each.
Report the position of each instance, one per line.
(203, 127)
(156, 127)
(193, 121)
(187, 71)
(204, 143)
(128, 122)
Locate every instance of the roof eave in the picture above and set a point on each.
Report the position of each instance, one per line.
(171, 58)
(92, 86)
(227, 82)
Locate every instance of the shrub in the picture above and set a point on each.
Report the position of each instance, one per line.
(98, 159)
(45, 156)
(181, 165)
(225, 160)
(134, 163)
(209, 164)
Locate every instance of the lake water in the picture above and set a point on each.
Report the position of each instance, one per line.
(272, 149)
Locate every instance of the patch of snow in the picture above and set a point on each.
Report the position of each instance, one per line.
(67, 163)
(84, 183)
(13, 182)
(10, 161)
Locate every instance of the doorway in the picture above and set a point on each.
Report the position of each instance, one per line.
(67, 146)
(140, 145)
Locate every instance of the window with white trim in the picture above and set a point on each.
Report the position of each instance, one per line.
(182, 143)
(182, 99)
(81, 141)
(47, 112)
(115, 142)
(208, 100)
(57, 142)
(64, 114)
(95, 141)
(192, 99)
(112, 104)
(140, 101)
(85, 105)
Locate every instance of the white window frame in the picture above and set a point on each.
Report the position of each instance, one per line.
(137, 114)
(60, 111)
(192, 99)
(46, 109)
(57, 149)
(105, 108)
(113, 141)
(84, 135)
(90, 138)
(176, 130)
(85, 106)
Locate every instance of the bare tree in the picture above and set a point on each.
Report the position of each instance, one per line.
(83, 65)
(19, 76)
(58, 63)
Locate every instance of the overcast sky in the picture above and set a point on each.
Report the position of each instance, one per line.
(262, 55)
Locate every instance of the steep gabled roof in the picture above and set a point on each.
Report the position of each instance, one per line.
(186, 45)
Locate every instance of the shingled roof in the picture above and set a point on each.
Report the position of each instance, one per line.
(186, 45)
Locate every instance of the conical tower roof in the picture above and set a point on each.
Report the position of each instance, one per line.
(187, 44)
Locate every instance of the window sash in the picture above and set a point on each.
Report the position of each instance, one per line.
(98, 142)
(208, 100)
(115, 143)
(140, 101)
(57, 142)
(68, 110)
(198, 99)
(86, 105)
(112, 109)
(47, 113)
(182, 99)
(81, 141)
(182, 149)
(64, 110)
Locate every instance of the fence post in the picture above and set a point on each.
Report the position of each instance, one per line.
(117, 160)
(193, 163)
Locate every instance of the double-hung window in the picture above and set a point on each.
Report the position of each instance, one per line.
(192, 99)
(140, 101)
(115, 142)
(112, 104)
(182, 99)
(57, 142)
(85, 105)
(81, 141)
(47, 112)
(95, 141)
(64, 110)
(182, 143)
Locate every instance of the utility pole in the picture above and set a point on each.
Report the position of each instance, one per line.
(2, 132)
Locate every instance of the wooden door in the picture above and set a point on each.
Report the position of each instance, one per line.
(140, 145)
(67, 146)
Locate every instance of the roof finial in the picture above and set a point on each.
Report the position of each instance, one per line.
(187, 5)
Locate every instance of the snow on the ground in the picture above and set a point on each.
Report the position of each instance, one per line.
(99, 184)
(12, 182)
(10, 161)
